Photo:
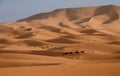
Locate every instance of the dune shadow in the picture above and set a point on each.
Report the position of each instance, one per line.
(62, 40)
(108, 10)
(33, 52)
(82, 21)
(30, 65)
(89, 31)
(115, 43)
(26, 35)
(46, 53)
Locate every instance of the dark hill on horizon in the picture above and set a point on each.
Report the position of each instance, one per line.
(84, 13)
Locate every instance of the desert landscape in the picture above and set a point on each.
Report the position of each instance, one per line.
(81, 41)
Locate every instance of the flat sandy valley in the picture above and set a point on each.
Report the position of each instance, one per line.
(65, 42)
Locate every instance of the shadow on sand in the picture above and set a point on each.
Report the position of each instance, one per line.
(29, 65)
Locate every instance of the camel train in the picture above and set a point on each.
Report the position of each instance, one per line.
(73, 53)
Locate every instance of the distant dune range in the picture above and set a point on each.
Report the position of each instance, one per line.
(70, 37)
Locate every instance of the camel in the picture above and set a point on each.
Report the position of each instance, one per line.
(67, 53)
(77, 52)
(73, 53)
(82, 51)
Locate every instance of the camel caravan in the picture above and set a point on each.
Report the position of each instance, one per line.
(73, 53)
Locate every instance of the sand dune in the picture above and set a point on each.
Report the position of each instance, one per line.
(65, 42)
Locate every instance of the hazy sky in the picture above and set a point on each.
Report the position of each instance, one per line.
(12, 10)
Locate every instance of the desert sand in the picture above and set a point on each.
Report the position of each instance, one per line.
(81, 41)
